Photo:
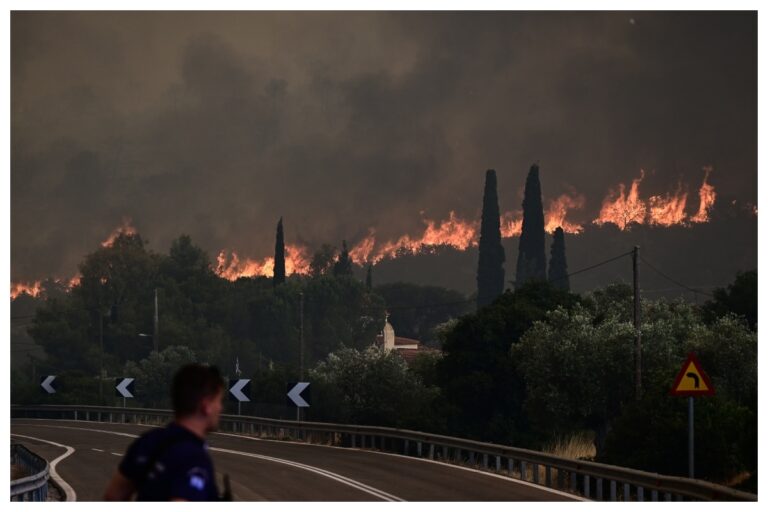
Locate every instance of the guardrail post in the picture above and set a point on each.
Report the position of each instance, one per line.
(498, 463)
(75, 415)
(667, 496)
(523, 471)
(599, 489)
(626, 492)
(586, 486)
(110, 417)
(574, 477)
(485, 460)
(472, 458)
(560, 478)
(654, 495)
(613, 490)
(418, 448)
(511, 466)
(431, 451)
(640, 494)
(536, 473)
(405, 447)
(548, 476)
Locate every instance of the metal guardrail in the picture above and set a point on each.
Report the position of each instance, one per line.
(590, 480)
(33, 487)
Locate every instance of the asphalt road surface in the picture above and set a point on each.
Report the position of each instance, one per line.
(273, 470)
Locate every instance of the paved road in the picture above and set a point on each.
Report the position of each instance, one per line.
(276, 470)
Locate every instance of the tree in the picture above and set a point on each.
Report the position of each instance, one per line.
(154, 374)
(490, 266)
(322, 260)
(372, 386)
(477, 374)
(558, 268)
(369, 278)
(343, 266)
(740, 298)
(531, 260)
(279, 272)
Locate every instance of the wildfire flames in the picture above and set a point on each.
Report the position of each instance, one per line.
(232, 267)
(625, 208)
(621, 207)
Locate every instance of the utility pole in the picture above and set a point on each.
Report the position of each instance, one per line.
(156, 335)
(101, 356)
(638, 342)
(301, 347)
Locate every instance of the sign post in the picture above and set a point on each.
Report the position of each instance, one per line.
(691, 381)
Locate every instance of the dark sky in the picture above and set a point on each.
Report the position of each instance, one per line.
(216, 124)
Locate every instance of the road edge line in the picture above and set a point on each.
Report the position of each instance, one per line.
(69, 492)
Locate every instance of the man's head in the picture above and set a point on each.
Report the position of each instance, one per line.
(197, 392)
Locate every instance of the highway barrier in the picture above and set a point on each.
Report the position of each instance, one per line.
(34, 486)
(591, 480)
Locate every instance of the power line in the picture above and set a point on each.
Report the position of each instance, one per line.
(456, 303)
(592, 266)
(671, 280)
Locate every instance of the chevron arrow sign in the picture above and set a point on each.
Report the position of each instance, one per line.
(124, 387)
(240, 389)
(47, 384)
(298, 392)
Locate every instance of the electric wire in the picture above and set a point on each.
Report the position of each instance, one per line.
(671, 280)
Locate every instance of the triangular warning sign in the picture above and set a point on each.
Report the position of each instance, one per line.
(691, 380)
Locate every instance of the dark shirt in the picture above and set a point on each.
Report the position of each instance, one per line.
(182, 467)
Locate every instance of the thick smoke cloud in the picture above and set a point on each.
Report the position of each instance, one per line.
(217, 124)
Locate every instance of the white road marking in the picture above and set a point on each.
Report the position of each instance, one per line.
(430, 461)
(328, 474)
(118, 454)
(96, 450)
(70, 493)
(463, 468)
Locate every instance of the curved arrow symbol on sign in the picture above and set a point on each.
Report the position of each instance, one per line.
(295, 394)
(47, 382)
(123, 387)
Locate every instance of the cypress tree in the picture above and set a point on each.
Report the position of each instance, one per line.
(558, 268)
(490, 267)
(531, 260)
(369, 278)
(343, 266)
(279, 273)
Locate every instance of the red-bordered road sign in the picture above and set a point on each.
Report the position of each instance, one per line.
(691, 380)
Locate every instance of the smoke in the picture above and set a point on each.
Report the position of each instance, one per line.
(217, 124)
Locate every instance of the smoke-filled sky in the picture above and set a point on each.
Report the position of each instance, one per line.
(217, 124)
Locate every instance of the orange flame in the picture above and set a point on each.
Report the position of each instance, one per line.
(558, 209)
(707, 197)
(511, 224)
(623, 209)
(669, 210)
(232, 267)
(32, 289)
(360, 254)
(126, 229)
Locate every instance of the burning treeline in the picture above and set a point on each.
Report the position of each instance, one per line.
(620, 207)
